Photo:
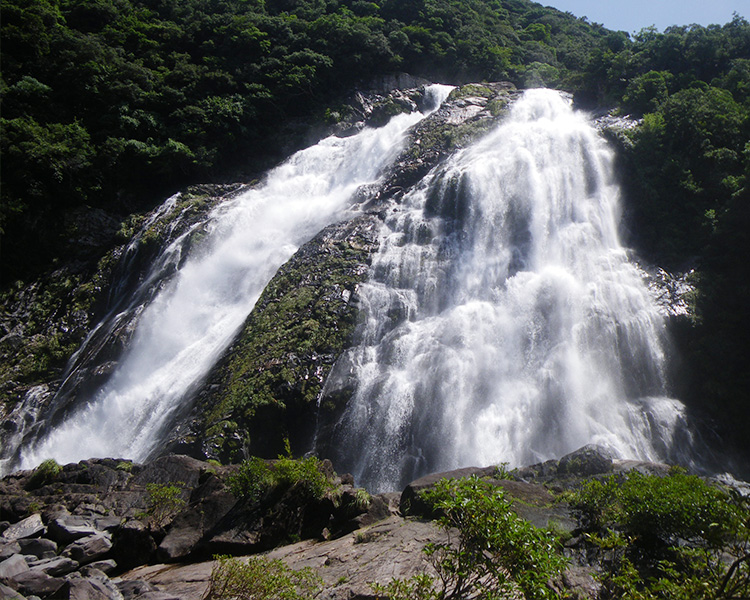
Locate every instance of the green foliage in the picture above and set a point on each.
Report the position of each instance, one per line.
(44, 474)
(254, 477)
(164, 501)
(667, 537)
(260, 578)
(497, 554)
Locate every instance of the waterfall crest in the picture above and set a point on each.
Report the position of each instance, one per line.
(187, 326)
(503, 320)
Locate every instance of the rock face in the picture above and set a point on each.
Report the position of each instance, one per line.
(99, 294)
(102, 517)
(350, 543)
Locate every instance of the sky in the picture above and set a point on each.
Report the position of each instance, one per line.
(634, 15)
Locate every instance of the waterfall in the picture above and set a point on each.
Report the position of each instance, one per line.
(186, 327)
(503, 320)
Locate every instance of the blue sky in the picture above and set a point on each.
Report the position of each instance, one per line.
(633, 15)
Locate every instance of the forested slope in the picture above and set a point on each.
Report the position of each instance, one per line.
(115, 103)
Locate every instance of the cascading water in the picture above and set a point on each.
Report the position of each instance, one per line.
(503, 320)
(184, 330)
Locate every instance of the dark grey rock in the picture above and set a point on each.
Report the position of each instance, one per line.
(60, 565)
(134, 589)
(105, 566)
(8, 548)
(36, 583)
(412, 504)
(39, 547)
(189, 527)
(132, 545)
(90, 588)
(29, 527)
(90, 548)
(586, 461)
(68, 528)
(13, 566)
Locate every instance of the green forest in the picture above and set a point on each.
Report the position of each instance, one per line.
(115, 104)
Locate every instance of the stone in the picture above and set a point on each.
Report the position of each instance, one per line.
(37, 583)
(8, 548)
(189, 527)
(68, 528)
(89, 549)
(39, 547)
(10, 593)
(586, 461)
(90, 588)
(177, 582)
(60, 565)
(412, 504)
(132, 545)
(134, 589)
(13, 566)
(105, 566)
(29, 527)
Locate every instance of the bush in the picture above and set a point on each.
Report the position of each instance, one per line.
(164, 501)
(672, 538)
(45, 473)
(254, 477)
(497, 555)
(260, 578)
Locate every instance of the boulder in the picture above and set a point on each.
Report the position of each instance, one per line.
(586, 461)
(39, 547)
(59, 565)
(190, 526)
(411, 503)
(29, 527)
(89, 549)
(13, 566)
(36, 583)
(132, 545)
(8, 548)
(68, 528)
(90, 588)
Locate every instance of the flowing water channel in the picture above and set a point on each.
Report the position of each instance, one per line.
(503, 320)
(183, 331)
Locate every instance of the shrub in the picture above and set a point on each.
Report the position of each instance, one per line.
(45, 473)
(164, 501)
(672, 538)
(260, 578)
(497, 554)
(251, 480)
(254, 477)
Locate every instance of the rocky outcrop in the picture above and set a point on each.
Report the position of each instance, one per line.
(90, 528)
(72, 531)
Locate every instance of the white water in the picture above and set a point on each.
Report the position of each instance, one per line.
(503, 320)
(185, 329)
